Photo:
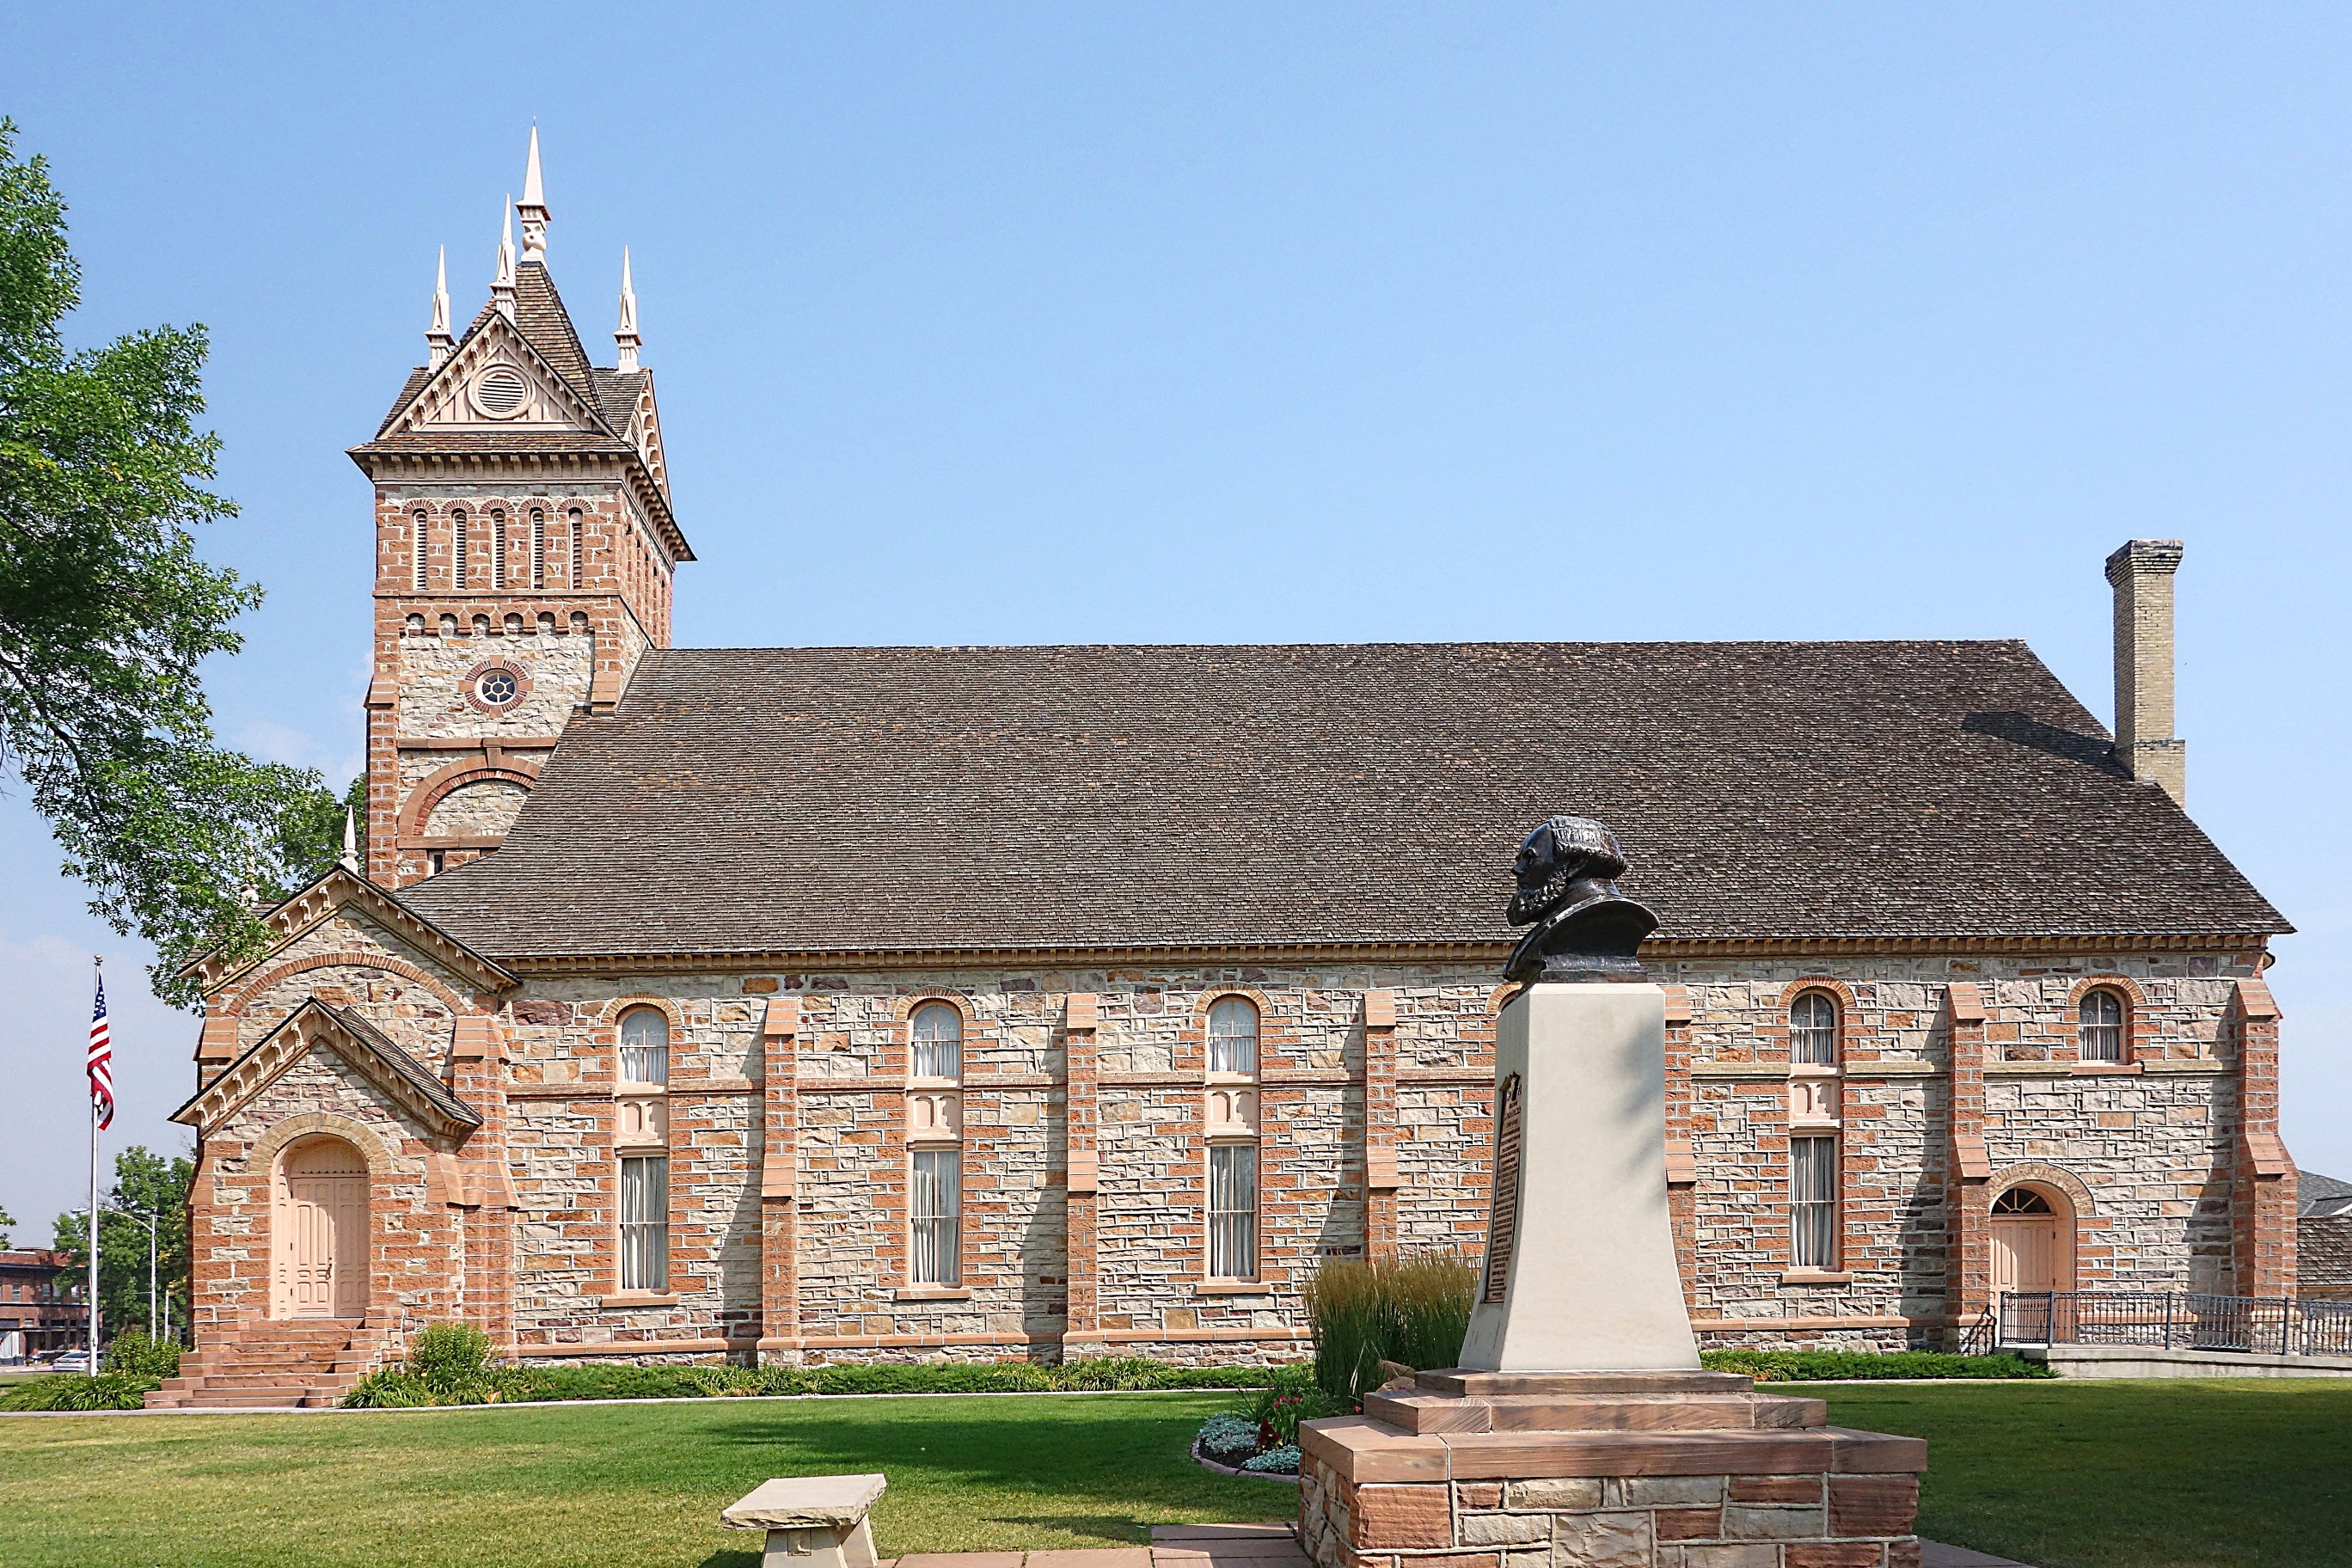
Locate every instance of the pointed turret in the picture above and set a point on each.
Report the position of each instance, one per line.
(502, 285)
(437, 340)
(350, 860)
(625, 334)
(533, 207)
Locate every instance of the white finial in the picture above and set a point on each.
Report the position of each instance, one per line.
(625, 334)
(350, 859)
(436, 337)
(533, 207)
(502, 285)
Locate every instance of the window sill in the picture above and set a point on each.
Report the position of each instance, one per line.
(2103, 1069)
(1232, 1288)
(1816, 1277)
(931, 1293)
(641, 1146)
(637, 1299)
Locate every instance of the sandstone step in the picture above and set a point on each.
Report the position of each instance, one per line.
(1419, 1413)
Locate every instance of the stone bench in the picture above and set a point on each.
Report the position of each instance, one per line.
(813, 1521)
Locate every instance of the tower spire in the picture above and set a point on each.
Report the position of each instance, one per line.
(533, 207)
(502, 285)
(625, 334)
(436, 337)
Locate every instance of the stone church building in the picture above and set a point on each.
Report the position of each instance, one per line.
(807, 1004)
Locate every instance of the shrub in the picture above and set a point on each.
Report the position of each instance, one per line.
(80, 1391)
(1848, 1366)
(1228, 1438)
(449, 1356)
(1413, 1311)
(1282, 1461)
(142, 1356)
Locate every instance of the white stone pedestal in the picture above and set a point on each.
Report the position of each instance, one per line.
(1590, 1280)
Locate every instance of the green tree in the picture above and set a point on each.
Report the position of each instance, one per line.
(7, 1225)
(144, 1183)
(106, 612)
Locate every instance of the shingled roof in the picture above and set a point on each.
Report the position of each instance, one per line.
(821, 800)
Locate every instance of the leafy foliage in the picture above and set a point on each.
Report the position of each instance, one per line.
(146, 1181)
(532, 1384)
(1228, 1438)
(7, 1223)
(106, 612)
(80, 1391)
(1847, 1366)
(1413, 1311)
(142, 1357)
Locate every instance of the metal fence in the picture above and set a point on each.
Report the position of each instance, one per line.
(2176, 1321)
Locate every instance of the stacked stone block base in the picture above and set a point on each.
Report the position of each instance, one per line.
(1603, 1470)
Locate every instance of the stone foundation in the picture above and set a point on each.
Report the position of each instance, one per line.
(1604, 1470)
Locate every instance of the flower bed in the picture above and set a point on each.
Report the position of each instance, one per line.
(1261, 1438)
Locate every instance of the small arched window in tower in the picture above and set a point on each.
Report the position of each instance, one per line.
(937, 1041)
(579, 550)
(645, 1045)
(419, 545)
(538, 548)
(2022, 1200)
(2099, 1034)
(497, 550)
(1233, 1035)
(1813, 1030)
(457, 549)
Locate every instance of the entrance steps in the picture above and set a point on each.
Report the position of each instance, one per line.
(282, 1363)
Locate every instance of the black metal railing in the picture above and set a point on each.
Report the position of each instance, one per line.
(2177, 1320)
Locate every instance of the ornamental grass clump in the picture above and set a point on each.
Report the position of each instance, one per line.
(80, 1391)
(1413, 1310)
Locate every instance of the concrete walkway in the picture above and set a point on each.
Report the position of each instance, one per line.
(1260, 1546)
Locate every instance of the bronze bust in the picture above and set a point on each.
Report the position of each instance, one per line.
(1584, 928)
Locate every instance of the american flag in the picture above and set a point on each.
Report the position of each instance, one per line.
(102, 1061)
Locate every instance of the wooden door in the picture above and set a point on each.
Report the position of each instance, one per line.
(2025, 1255)
(323, 1237)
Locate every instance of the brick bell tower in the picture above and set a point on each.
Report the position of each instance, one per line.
(524, 549)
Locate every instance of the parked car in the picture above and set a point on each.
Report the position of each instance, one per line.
(71, 1360)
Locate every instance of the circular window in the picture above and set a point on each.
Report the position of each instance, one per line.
(501, 391)
(498, 688)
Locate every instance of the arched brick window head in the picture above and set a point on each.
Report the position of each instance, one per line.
(1813, 1030)
(645, 1045)
(937, 1039)
(1232, 1037)
(2099, 1031)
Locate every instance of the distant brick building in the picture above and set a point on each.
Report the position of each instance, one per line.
(38, 1311)
(1006, 1002)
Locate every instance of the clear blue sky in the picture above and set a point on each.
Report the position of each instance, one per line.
(1209, 322)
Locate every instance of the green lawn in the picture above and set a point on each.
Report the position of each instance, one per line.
(2065, 1475)
(2187, 1473)
(609, 1486)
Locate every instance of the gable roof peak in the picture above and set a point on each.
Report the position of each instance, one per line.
(532, 209)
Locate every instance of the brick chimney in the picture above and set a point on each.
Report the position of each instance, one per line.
(2141, 573)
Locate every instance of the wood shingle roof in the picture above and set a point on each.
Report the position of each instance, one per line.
(875, 800)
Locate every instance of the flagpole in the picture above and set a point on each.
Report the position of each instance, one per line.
(97, 965)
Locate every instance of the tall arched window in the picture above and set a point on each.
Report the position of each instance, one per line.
(497, 550)
(538, 548)
(1813, 1030)
(579, 545)
(457, 549)
(2099, 1032)
(937, 1039)
(419, 542)
(1233, 1035)
(645, 1045)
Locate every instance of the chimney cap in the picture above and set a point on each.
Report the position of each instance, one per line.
(2144, 557)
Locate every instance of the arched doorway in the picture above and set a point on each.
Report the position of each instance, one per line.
(318, 1232)
(2032, 1241)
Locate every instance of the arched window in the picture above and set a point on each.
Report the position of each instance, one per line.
(497, 550)
(2099, 1032)
(645, 1045)
(578, 532)
(457, 549)
(938, 1040)
(1813, 1030)
(2022, 1200)
(1233, 1035)
(538, 548)
(419, 542)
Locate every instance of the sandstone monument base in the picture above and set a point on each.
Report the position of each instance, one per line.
(1666, 1469)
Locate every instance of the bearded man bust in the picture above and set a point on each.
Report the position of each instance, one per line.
(1584, 928)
